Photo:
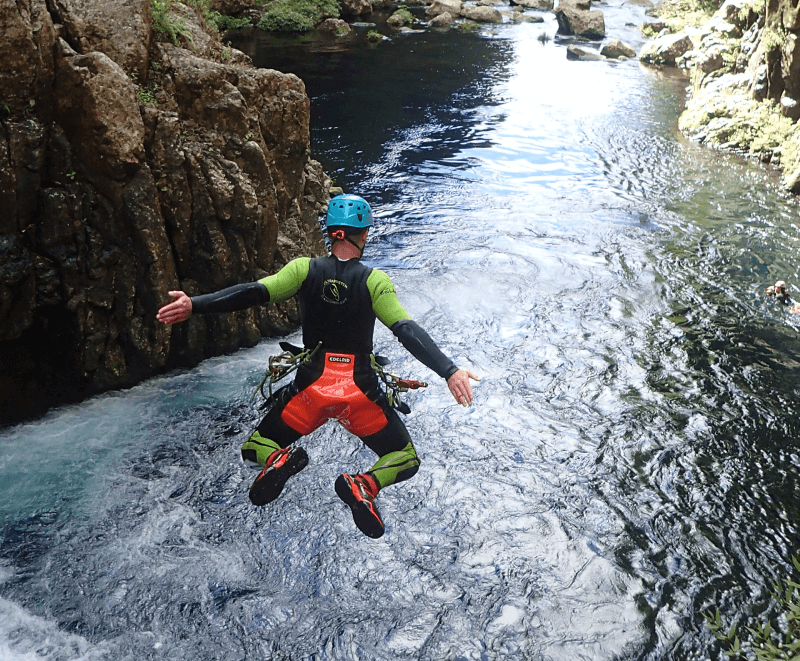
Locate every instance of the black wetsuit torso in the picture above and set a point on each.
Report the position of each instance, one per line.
(335, 306)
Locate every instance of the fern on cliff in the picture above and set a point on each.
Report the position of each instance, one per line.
(166, 23)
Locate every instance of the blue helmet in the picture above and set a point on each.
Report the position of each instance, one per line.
(350, 212)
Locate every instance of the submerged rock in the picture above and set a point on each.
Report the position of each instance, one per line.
(577, 53)
(615, 49)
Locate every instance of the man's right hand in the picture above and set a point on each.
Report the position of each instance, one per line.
(179, 310)
(460, 386)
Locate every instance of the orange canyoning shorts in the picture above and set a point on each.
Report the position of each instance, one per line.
(334, 395)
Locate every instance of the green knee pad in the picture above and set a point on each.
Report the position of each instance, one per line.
(257, 448)
(396, 466)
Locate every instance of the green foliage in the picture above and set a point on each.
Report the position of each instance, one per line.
(677, 14)
(374, 36)
(230, 23)
(296, 15)
(408, 17)
(146, 95)
(773, 40)
(468, 26)
(710, 6)
(167, 24)
(778, 639)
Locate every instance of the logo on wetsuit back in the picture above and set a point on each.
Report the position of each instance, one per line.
(334, 291)
(339, 359)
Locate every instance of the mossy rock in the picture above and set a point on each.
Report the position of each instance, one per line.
(296, 15)
(468, 26)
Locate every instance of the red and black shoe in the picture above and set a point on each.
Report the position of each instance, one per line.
(359, 492)
(280, 466)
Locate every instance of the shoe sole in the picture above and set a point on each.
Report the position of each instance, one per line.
(363, 515)
(270, 482)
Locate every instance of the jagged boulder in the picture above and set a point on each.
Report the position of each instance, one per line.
(355, 8)
(120, 29)
(481, 14)
(96, 105)
(335, 26)
(442, 20)
(666, 50)
(452, 7)
(576, 17)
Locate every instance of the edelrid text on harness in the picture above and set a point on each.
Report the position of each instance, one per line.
(394, 384)
(282, 365)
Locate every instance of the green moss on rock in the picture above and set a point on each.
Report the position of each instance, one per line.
(296, 15)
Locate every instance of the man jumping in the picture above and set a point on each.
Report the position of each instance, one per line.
(340, 299)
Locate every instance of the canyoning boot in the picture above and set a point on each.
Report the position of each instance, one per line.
(358, 492)
(280, 466)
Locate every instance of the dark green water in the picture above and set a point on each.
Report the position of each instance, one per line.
(631, 460)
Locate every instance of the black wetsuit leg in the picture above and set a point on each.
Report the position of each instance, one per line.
(398, 458)
(272, 432)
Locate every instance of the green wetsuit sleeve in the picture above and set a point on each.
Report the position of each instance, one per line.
(385, 303)
(287, 282)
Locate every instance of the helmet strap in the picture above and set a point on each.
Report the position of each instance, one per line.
(341, 235)
(358, 247)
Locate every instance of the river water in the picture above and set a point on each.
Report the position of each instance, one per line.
(631, 458)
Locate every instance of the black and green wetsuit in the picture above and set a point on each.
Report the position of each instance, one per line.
(339, 303)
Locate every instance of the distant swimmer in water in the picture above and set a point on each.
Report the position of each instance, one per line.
(340, 298)
(781, 293)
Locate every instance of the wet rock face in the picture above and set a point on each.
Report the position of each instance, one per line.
(109, 202)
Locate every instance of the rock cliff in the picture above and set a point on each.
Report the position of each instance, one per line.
(744, 65)
(130, 167)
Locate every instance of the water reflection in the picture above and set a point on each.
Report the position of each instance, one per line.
(415, 93)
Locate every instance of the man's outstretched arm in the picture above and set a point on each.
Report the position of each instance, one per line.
(274, 288)
(238, 297)
(420, 345)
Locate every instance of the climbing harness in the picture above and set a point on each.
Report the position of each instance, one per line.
(282, 365)
(292, 357)
(394, 384)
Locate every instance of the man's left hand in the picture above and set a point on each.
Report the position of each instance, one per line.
(461, 387)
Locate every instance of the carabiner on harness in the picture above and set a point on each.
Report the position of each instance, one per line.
(394, 384)
(282, 365)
